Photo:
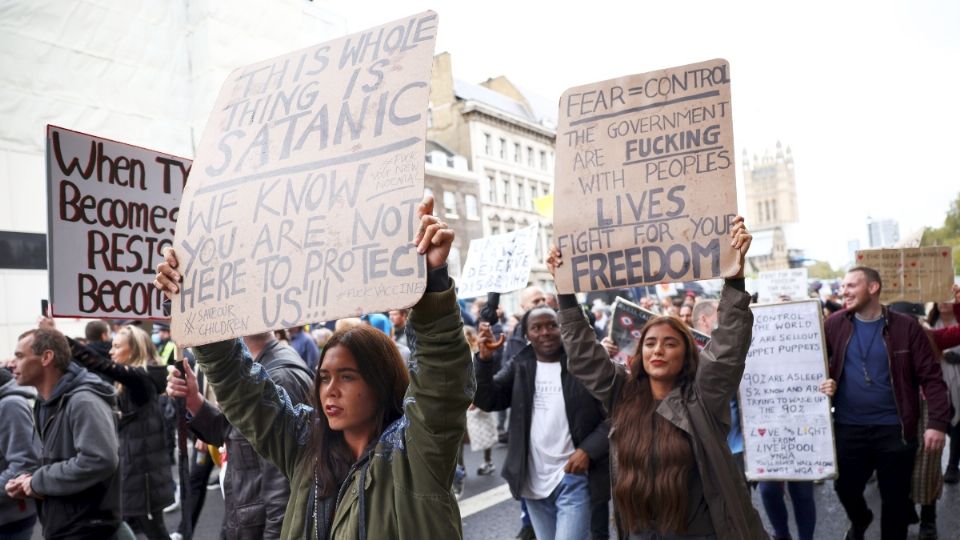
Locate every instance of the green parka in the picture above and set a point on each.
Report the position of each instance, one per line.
(406, 478)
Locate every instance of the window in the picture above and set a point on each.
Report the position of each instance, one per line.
(519, 193)
(449, 204)
(23, 251)
(494, 229)
(470, 202)
(503, 148)
(505, 191)
(516, 153)
(487, 144)
(534, 195)
(530, 156)
(491, 189)
(543, 160)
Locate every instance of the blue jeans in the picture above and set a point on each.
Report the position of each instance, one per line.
(565, 513)
(804, 508)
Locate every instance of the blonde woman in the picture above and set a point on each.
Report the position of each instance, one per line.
(135, 367)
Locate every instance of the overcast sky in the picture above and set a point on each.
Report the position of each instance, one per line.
(863, 92)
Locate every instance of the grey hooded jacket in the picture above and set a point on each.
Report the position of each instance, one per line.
(19, 447)
(79, 455)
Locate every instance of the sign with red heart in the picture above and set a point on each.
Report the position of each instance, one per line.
(918, 275)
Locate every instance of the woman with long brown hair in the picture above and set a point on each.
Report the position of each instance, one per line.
(373, 456)
(673, 474)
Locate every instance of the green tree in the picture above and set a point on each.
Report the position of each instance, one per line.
(823, 270)
(948, 234)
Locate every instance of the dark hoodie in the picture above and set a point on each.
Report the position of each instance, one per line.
(19, 447)
(79, 454)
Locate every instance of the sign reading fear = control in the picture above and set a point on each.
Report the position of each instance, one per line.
(649, 160)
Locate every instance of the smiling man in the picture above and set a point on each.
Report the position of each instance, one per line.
(557, 458)
(879, 362)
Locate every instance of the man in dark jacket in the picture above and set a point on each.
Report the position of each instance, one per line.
(879, 362)
(77, 487)
(557, 458)
(255, 492)
(19, 453)
(97, 333)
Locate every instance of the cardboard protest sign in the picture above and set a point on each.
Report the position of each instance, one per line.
(626, 325)
(650, 160)
(112, 208)
(499, 263)
(787, 430)
(777, 284)
(302, 203)
(923, 274)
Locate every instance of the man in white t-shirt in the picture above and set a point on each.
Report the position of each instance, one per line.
(557, 459)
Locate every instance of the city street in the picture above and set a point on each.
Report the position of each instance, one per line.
(489, 513)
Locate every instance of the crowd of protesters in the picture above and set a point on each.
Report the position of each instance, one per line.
(357, 429)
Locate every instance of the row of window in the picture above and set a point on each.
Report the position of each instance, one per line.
(515, 192)
(767, 210)
(518, 152)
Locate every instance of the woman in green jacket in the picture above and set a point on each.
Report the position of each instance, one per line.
(673, 474)
(374, 456)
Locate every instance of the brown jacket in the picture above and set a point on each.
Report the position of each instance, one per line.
(701, 410)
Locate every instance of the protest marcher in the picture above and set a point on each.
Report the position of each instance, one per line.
(77, 489)
(943, 316)
(301, 342)
(166, 348)
(557, 454)
(255, 492)
(530, 297)
(686, 314)
(374, 453)
(98, 337)
(481, 430)
(927, 481)
(19, 453)
(398, 317)
(136, 370)
(674, 475)
(879, 363)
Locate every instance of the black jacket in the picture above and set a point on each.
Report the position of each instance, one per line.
(144, 452)
(513, 387)
(255, 491)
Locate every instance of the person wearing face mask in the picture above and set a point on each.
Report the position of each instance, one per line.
(166, 348)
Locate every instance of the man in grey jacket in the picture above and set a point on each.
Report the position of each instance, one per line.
(76, 488)
(19, 453)
(255, 492)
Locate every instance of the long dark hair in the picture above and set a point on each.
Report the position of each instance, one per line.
(384, 371)
(653, 456)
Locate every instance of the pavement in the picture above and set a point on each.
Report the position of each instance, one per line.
(489, 513)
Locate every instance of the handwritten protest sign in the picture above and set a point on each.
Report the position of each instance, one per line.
(302, 202)
(498, 263)
(774, 285)
(112, 208)
(923, 274)
(650, 160)
(627, 325)
(787, 432)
